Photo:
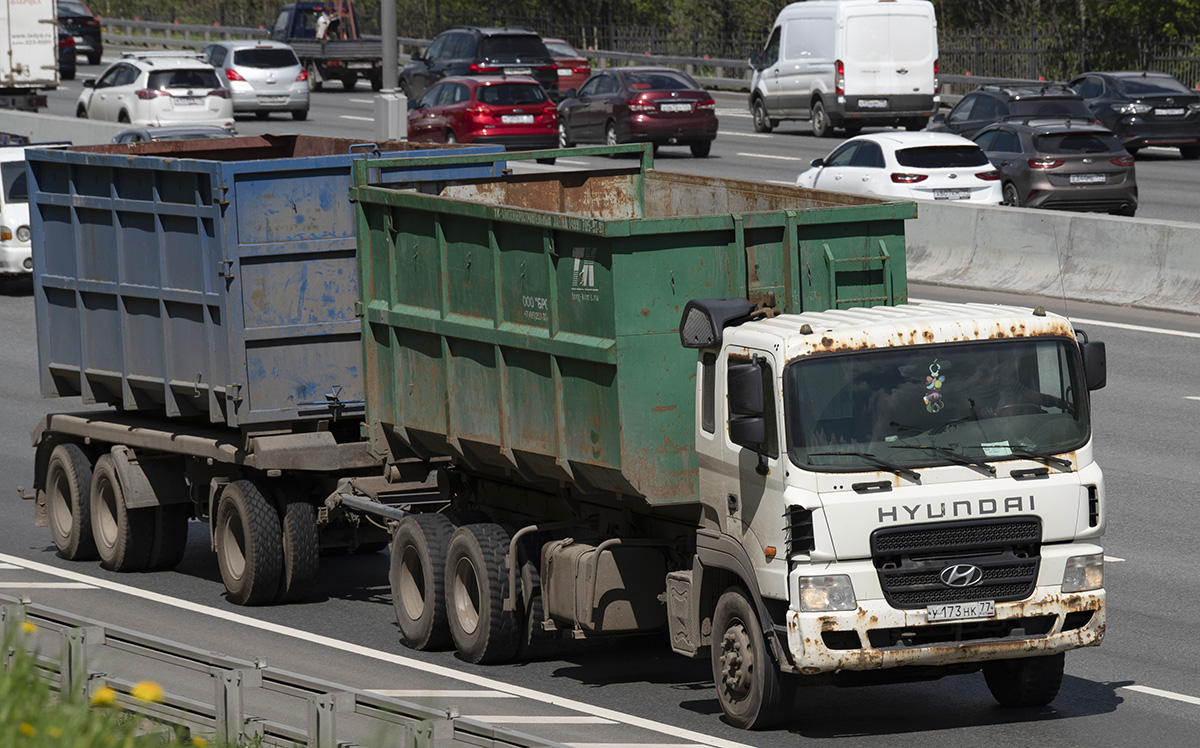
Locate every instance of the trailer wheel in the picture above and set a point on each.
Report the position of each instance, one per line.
(476, 585)
(249, 544)
(418, 580)
(68, 499)
(1029, 681)
(124, 537)
(301, 551)
(753, 693)
(170, 535)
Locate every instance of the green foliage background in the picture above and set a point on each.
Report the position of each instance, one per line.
(694, 19)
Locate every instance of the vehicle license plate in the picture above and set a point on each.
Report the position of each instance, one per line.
(564, 71)
(872, 103)
(272, 99)
(358, 65)
(951, 194)
(188, 101)
(960, 611)
(1169, 112)
(517, 119)
(78, 40)
(518, 71)
(1088, 179)
(677, 106)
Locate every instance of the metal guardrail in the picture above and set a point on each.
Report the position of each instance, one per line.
(722, 73)
(225, 718)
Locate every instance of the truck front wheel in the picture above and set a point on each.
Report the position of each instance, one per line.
(249, 544)
(419, 582)
(68, 502)
(476, 585)
(753, 693)
(1029, 681)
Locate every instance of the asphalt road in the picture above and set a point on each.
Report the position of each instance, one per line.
(1169, 188)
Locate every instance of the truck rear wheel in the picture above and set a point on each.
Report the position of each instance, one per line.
(314, 77)
(418, 580)
(476, 585)
(300, 547)
(124, 537)
(753, 693)
(1029, 681)
(68, 502)
(170, 535)
(249, 544)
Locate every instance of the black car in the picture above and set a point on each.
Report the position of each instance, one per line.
(81, 23)
(1144, 109)
(66, 54)
(989, 104)
(472, 51)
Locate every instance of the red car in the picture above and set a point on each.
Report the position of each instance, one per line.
(509, 111)
(662, 106)
(573, 68)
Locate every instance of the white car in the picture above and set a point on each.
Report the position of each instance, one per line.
(155, 89)
(908, 165)
(16, 258)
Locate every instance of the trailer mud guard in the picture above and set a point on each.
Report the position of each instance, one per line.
(149, 482)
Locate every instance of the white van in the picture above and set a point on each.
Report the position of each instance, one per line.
(846, 64)
(16, 249)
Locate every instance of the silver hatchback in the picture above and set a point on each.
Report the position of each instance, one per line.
(262, 77)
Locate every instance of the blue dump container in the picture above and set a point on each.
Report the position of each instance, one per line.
(213, 280)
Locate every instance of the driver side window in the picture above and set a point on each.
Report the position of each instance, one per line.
(843, 156)
(770, 54)
(589, 88)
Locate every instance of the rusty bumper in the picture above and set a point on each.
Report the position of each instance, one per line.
(1046, 623)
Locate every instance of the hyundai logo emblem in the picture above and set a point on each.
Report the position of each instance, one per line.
(961, 575)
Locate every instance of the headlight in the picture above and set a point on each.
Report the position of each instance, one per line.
(1084, 573)
(22, 233)
(826, 593)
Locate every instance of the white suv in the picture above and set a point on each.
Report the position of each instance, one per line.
(152, 89)
(15, 248)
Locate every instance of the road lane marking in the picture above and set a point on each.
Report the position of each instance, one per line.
(443, 693)
(745, 134)
(572, 162)
(633, 745)
(357, 119)
(1164, 694)
(1191, 397)
(362, 101)
(9, 566)
(517, 719)
(771, 156)
(376, 654)
(1113, 559)
(46, 586)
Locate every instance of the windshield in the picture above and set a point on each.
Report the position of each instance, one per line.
(509, 48)
(986, 400)
(265, 58)
(941, 156)
(192, 78)
(1050, 109)
(1077, 142)
(12, 175)
(1153, 85)
(511, 94)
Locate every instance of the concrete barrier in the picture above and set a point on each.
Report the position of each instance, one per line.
(1082, 256)
(43, 128)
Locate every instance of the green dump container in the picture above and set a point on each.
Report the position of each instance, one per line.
(528, 325)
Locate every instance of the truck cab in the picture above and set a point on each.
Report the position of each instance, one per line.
(302, 20)
(913, 486)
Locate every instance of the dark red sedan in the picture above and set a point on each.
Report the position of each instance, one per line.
(662, 106)
(573, 68)
(509, 111)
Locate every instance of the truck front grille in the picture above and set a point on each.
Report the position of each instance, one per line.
(910, 560)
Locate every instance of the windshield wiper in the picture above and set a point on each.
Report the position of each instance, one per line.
(951, 455)
(903, 472)
(1065, 464)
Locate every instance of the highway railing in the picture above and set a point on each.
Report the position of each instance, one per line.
(335, 715)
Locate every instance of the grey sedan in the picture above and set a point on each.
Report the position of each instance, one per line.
(262, 77)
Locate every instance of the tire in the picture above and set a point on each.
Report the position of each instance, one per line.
(170, 535)
(94, 59)
(450, 138)
(822, 126)
(314, 79)
(916, 124)
(349, 83)
(1189, 152)
(701, 148)
(753, 693)
(300, 548)
(81, 112)
(300, 115)
(610, 134)
(1132, 150)
(376, 82)
(249, 542)
(69, 76)
(1011, 195)
(564, 137)
(123, 117)
(548, 161)
(852, 129)
(1029, 681)
(762, 120)
(68, 502)
(418, 580)
(476, 585)
(124, 537)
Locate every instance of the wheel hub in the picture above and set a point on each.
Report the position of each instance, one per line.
(737, 661)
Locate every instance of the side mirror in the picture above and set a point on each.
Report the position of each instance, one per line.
(745, 390)
(417, 57)
(570, 94)
(817, 163)
(756, 60)
(412, 105)
(939, 118)
(89, 83)
(748, 432)
(1095, 364)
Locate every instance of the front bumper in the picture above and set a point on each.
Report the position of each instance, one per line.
(16, 259)
(275, 101)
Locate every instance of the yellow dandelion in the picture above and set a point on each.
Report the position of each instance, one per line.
(27, 730)
(54, 732)
(28, 628)
(147, 690)
(199, 742)
(104, 696)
